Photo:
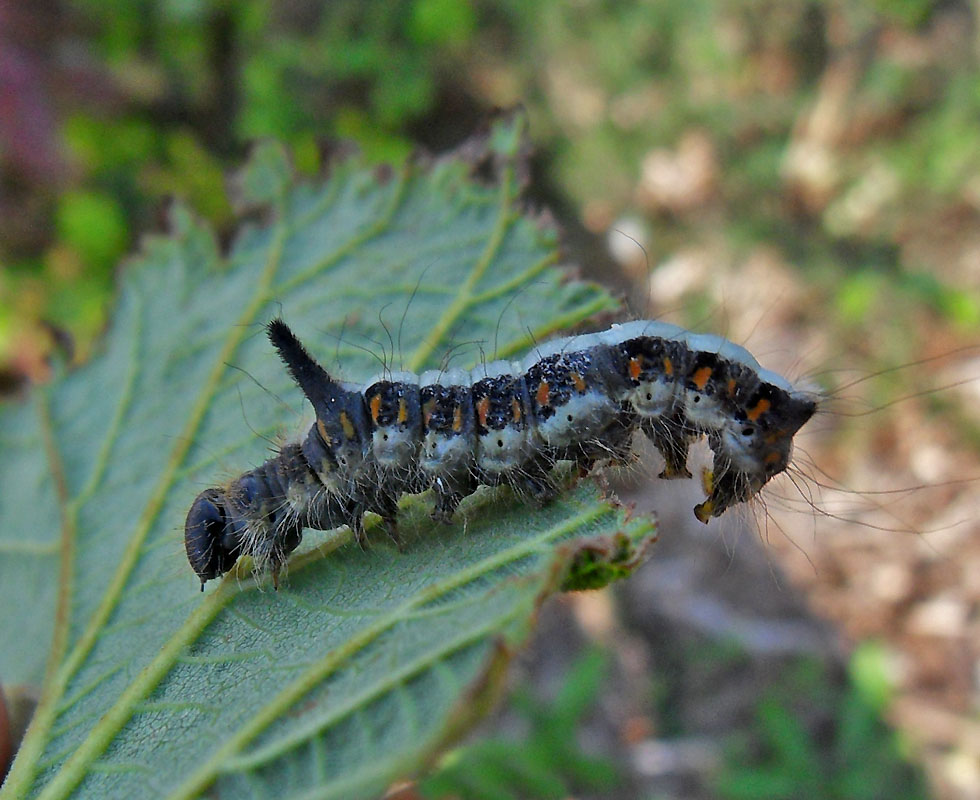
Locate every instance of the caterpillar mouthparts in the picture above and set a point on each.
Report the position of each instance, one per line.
(578, 399)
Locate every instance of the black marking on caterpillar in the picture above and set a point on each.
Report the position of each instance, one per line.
(578, 399)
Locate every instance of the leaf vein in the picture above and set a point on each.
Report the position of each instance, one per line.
(115, 424)
(371, 231)
(24, 767)
(463, 299)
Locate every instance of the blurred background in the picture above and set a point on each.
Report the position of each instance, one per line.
(802, 177)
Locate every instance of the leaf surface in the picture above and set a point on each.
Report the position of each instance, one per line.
(363, 663)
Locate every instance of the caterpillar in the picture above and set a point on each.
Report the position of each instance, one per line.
(579, 399)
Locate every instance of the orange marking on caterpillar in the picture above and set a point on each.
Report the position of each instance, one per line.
(543, 396)
(673, 471)
(578, 381)
(402, 411)
(668, 366)
(515, 409)
(701, 377)
(759, 409)
(482, 410)
(427, 410)
(375, 408)
(347, 425)
(323, 432)
(457, 419)
(636, 367)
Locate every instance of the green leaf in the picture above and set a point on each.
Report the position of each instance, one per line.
(364, 664)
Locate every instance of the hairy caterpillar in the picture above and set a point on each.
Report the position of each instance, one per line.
(577, 399)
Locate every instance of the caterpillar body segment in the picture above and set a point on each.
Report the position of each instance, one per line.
(579, 399)
(447, 461)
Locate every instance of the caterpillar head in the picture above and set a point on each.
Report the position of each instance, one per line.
(212, 548)
(759, 436)
(754, 446)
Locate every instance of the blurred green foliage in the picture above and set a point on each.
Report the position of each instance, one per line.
(813, 735)
(174, 93)
(789, 752)
(547, 762)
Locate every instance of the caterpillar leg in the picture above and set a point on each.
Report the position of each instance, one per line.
(673, 440)
(725, 489)
(389, 518)
(445, 507)
(617, 440)
(355, 521)
(704, 511)
(290, 534)
(384, 503)
(448, 495)
(535, 484)
(612, 444)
